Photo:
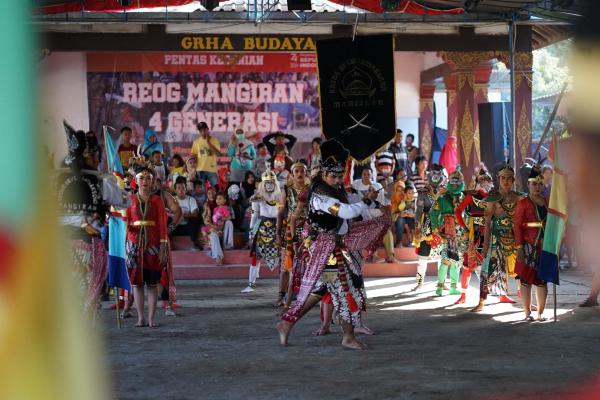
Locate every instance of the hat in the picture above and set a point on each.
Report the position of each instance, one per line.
(506, 170)
(233, 192)
(456, 178)
(202, 125)
(334, 156)
(76, 144)
(268, 175)
(535, 175)
(483, 174)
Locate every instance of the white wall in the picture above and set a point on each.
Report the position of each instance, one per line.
(407, 73)
(62, 95)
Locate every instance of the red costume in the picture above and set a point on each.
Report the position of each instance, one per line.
(146, 230)
(529, 222)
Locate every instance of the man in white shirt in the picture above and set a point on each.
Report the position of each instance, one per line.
(332, 236)
(190, 222)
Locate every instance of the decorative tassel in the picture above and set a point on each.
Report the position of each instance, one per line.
(341, 269)
(289, 248)
(352, 306)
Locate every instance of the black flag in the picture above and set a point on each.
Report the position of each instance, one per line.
(356, 83)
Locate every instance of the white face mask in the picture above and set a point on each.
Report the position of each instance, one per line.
(239, 136)
(269, 186)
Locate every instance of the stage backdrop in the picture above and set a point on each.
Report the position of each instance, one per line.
(171, 92)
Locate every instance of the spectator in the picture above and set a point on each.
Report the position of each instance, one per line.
(190, 174)
(357, 168)
(314, 157)
(206, 148)
(362, 185)
(177, 169)
(547, 173)
(242, 152)
(188, 226)
(411, 149)
(280, 140)
(218, 225)
(397, 205)
(401, 175)
(211, 201)
(408, 215)
(126, 148)
(281, 164)
(419, 178)
(199, 194)
(160, 169)
(399, 152)
(248, 187)
(236, 205)
(150, 145)
(384, 163)
(259, 165)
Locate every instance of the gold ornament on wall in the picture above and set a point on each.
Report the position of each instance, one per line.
(467, 133)
(426, 140)
(524, 131)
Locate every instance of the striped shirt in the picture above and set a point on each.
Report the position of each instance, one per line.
(384, 162)
(420, 183)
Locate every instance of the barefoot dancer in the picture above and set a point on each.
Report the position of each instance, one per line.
(436, 180)
(291, 220)
(529, 223)
(146, 244)
(331, 239)
(265, 207)
(473, 207)
(499, 240)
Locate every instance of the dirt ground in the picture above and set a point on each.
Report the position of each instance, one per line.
(223, 345)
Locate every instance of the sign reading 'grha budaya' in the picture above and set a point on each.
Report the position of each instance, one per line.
(356, 83)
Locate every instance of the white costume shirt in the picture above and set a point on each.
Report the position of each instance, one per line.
(260, 209)
(344, 210)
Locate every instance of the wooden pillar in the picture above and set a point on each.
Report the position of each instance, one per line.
(522, 104)
(426, 122)
(450, 81)
(463, 123)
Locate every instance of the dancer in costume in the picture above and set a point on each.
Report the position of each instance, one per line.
(147, 244)
(443, 221)
(84, 197)
(265, 208)
(473, 207)
(289, 231)
(426, 243)
(529, 224)
(330, 240)
(499, 240)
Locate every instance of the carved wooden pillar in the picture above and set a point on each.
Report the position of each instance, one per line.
(426, 122)
(450, 81)
(464, 125)
(522, 104)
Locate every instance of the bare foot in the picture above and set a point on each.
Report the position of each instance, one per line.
(141, 323)
(219, 261)
(479, 307)
(353, 344)
(278, 303)
(322, 331)
(284, 329)
(364, 330)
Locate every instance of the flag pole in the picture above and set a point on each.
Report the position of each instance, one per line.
(117, 307)
(554, 295)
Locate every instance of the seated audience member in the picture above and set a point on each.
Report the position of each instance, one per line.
(199, 194)
(190, 174)
(217, 225)
(409, 213)
(160, 169)
(314, 157)
(189, 208)
(236, 205)
(248, 187)
(177, 170)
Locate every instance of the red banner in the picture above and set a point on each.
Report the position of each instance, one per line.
(202, 62)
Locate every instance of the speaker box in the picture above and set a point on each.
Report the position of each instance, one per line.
(301, 5)
(494, 133)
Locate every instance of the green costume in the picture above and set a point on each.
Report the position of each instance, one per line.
(444, 222)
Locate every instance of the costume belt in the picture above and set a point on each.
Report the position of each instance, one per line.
(533, 225)
(144, 223)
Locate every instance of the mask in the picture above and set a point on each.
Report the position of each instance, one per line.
(239, 136)
(270, 186)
